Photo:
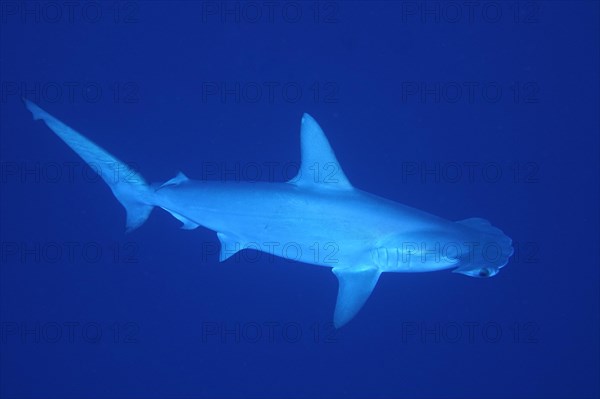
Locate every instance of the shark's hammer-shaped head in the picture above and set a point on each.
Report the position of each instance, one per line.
(479, 271)
(488, 249)
(473, 248)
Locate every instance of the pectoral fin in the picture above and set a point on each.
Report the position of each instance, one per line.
(230, 245)
(355, 286)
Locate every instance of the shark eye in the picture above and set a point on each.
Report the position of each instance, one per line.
(484, 272)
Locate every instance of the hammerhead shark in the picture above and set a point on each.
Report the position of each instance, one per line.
(316, 218)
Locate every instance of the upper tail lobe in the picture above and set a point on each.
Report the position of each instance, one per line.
(128, 186)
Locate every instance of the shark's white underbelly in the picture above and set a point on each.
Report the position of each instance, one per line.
(275, 220)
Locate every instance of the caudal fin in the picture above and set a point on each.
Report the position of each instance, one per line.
(127, 185)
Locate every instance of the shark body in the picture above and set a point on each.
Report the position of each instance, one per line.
(316, 218)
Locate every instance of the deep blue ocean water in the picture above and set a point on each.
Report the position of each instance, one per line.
(486, 109)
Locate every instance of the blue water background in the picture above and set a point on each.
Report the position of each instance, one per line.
(157, 294)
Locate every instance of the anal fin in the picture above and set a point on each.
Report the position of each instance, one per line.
(187, 223)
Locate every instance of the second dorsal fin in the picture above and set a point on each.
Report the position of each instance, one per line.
(177, 180)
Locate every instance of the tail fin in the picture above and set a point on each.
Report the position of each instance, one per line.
(490, 252)
(127, 185)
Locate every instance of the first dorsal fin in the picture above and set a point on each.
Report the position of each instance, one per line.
(319, 168)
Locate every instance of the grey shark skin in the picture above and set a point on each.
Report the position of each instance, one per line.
(316, 218)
